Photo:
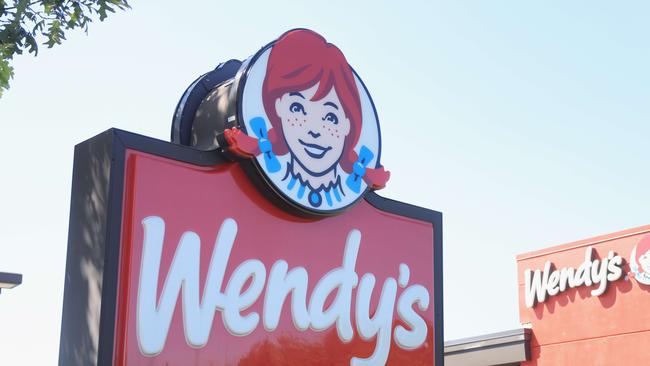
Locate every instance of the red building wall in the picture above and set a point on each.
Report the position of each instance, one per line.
(576, 328)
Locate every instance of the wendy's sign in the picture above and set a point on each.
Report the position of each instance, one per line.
(599, 273)
(587, 301)
(177, 257)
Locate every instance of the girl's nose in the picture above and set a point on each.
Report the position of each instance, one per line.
(314, 134)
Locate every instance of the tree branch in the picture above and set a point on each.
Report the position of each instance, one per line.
(26, 6)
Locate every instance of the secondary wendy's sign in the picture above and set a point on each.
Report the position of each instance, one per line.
(208, 254)
(586, 300)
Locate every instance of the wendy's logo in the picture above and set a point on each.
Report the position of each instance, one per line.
(640, 260)
(310, 124)
(300, 115)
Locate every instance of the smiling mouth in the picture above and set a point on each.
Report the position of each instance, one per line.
(315, 151)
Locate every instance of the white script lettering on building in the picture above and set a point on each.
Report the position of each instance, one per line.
(538, 284)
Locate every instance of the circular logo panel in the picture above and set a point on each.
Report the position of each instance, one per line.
(316, 127)
(640, 260)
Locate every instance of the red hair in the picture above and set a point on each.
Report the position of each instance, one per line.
(299, 59)
(642, 248)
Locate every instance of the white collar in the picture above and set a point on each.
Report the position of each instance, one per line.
(326, 180)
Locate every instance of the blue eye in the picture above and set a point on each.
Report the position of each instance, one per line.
(331, 117)
(297, 107)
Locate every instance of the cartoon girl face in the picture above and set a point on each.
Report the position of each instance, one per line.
(314, 130)
(644, 261)
(312, 102)
(308, 135)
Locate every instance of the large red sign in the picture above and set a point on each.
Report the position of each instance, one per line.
(202, 269)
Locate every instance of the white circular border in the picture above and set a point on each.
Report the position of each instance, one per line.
(640, 275)
(253, 106)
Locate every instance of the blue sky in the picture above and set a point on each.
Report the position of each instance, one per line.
(526, 124)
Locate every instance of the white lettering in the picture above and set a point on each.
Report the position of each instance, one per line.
(236, 301)
(281, 283)
(567, 278)
(154, 318)
(538, 284)
(534, 286)
(416, 294)
(381, 324)
(553, 281)
(154, 311)
(342, 279)
(615, 267)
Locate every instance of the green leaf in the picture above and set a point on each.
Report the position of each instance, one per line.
(8, 35)
(38, 27)
(6, 73)
(54, 34)
(7, 51)
(48, 8)
(75, 16)
(102, 13)
(31, 42)
(30, 15)
(21, 6)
